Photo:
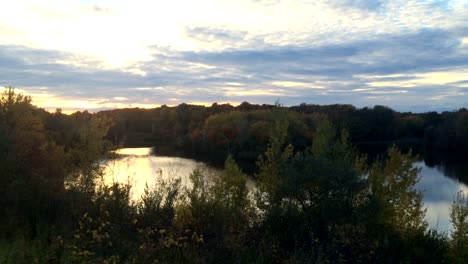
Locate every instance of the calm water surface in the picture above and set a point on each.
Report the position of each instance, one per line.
(138, 166)
(439, 192)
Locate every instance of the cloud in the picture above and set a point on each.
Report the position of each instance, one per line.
(363, 72)
(212, 38)
(408, 55)
(25, 67)
(97, 8)
(395, 70)
(370, 5)
(267, 2)
(214, 34)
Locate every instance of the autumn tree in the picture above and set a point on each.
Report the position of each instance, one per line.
(32, 174)
(85, 159)
(459, 219)
(310, 198)
(393, 185)
(219, 210)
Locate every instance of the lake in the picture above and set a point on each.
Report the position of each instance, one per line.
(439, 192)
(138, 166)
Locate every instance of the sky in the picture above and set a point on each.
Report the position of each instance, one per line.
(92, 55)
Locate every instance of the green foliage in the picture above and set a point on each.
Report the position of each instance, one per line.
(277, 155)
(219, 210)
(329, 145)
(313, 200)
(298, 191)
(244, 135)
(84, 159)
(31, 174)
(323, 137)
(393, 186)
(230, 188)
(459, 219)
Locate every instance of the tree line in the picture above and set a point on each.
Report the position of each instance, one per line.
(316, 198)
(212, 133)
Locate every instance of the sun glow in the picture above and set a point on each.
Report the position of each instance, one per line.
(429, 78)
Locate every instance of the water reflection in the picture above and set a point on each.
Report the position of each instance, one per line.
(439, 192)
(138, 167)
(449, 164)
(452, 165)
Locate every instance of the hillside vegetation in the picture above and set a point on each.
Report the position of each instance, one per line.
(317, 200)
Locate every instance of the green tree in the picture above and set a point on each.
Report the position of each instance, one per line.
(85, 158)
(310, 198)
(276, 157)
(32, 174)
(219, 210)
(459, 219)
(392, 185)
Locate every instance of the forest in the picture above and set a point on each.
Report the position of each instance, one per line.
(212, 133)
(321, 196)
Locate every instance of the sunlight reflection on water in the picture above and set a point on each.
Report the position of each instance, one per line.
(138, 167)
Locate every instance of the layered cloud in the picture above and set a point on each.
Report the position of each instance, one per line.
(410, 55)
